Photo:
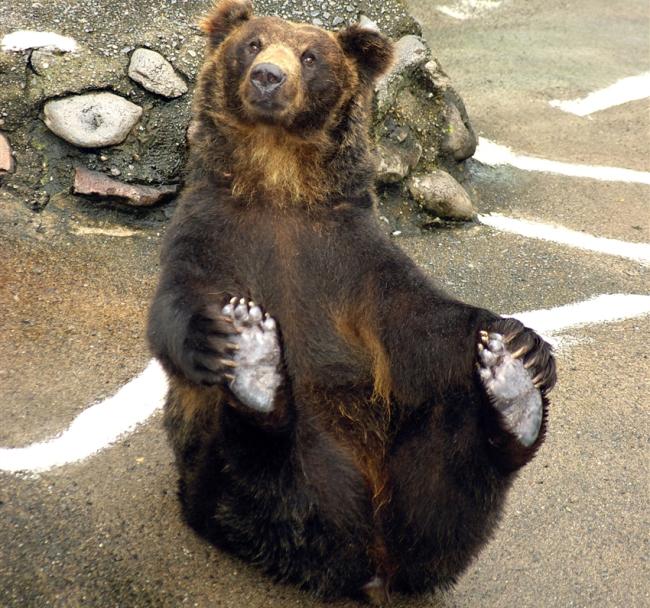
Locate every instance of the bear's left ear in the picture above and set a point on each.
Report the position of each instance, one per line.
(372, 51)
(225, 16)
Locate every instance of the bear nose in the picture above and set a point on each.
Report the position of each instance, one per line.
(267, 77)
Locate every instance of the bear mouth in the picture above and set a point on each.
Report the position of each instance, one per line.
(266, 109)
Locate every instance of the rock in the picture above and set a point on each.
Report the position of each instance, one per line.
(400, 134)
(395, 162)
(93, 120)
(367, 23)
(6, 158)
(435, 75)
(156, 74)
(391, 164)
(93, 182)
(459, 141)
(64, 75)
(410, 53)
(439, 193)
(41, 61)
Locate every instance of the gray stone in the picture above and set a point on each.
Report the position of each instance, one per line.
(392, 167)
(440, 194)
(435, 75)
(41, 61)
(98, 184)
(156, 74)
(410, 53)
(93, 120)
(6, 157)
(458, 141)
(400, 134)
(396, 161)
(367, 23)
(56, 75)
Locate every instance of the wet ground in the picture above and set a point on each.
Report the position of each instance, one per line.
(107, 532)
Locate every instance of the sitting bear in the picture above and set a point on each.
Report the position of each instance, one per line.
(336, 419)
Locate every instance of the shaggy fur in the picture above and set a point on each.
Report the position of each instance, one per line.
(383, 463)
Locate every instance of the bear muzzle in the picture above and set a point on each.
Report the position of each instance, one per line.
(270, 91)
(267, 78)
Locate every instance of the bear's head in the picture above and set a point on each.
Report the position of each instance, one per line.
(287, 94)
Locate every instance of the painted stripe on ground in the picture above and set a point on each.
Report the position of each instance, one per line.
(468, 9)
(24, 40)
(606, 308)
(115, 232)
(96, 427)
(490, 153)
(625, 90)
(639, 252)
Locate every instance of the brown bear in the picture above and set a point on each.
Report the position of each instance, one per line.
(336, 418)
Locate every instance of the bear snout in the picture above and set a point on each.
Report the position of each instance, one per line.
(267, 78)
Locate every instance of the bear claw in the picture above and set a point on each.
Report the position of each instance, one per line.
(510, 386)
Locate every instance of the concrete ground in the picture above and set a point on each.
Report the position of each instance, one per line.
(106, 531)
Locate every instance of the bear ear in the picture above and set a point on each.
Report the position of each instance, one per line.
(371, 50)
(225, 16)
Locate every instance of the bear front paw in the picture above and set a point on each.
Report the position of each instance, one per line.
(516, 369)
(254, 375)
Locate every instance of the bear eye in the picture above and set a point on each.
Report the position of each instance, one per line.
(308, 58)
(254, 47)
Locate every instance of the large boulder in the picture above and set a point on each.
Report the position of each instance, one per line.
(145, 60)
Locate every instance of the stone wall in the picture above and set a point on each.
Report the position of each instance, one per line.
(101, 111)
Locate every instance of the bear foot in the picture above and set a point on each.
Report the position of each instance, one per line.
(254, 355)
(511, 387)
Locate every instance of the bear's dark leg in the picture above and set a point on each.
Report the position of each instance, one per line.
(287, 499)
(446, 494)
(282, 495)
(455, 456)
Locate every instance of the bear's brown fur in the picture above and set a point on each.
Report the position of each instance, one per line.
(383, 462)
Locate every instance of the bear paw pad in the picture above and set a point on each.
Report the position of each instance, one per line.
(254, 375)
(510, 387)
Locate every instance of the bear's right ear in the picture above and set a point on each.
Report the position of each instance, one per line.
(225, 16)
(371, 51)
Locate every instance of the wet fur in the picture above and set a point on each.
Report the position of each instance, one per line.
(383, 455)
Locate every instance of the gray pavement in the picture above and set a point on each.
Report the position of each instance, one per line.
(107, 532)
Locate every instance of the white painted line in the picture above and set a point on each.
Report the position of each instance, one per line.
(468, 9)
(103, 423)
(96, 427)
(94, 231)
(27, 39)
(606, 308)
(625, 90)
(493, 154)
(639, 252)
